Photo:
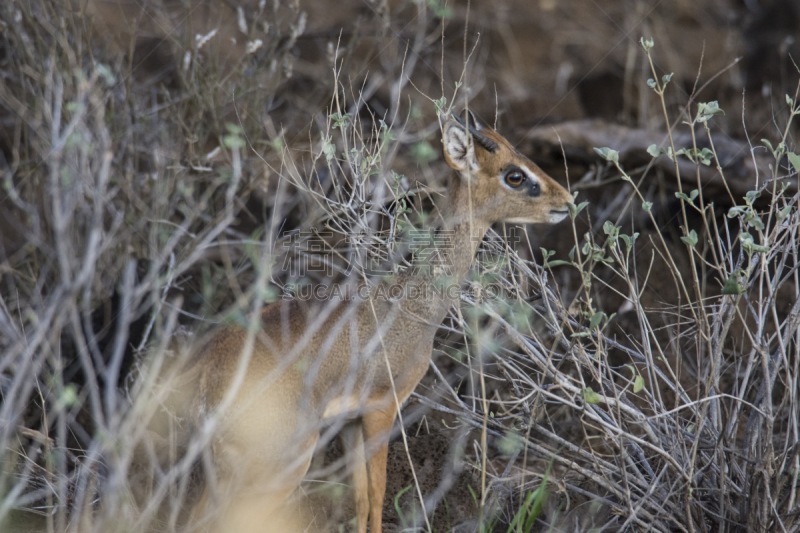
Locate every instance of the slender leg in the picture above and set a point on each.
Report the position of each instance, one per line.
(353, 438)
(377, 427)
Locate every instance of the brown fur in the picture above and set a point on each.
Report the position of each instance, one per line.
(312, 364)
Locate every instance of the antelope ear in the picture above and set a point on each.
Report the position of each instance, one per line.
(459, 150)
(476, 130)
(472, 122)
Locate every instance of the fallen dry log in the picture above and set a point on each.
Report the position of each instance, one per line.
(739, 167)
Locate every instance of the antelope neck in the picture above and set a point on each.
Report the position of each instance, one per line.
(443, 257)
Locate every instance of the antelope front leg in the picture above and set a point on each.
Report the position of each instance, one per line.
(377, 426)
(353, 438)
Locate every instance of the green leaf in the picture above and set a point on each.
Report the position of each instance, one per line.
(574, 210)
(234, 138)
(629, 240)
(340, 121)
(794, 159)
(732, 286)
(695, 155)
(596, 319)
(440, 9)
(69, 396)
(706, 110)
(685, 197)
(654, 150)
(590, 396)
(647, 44)
(329, 149)
(233, 142)
(737, 210)
(610, 229)
(511, 443)
(440, 104)
(608, 154)
(704, 156)
(638, 383)
(423, 152)
(665, 79)
(106, 74)
(690, 239)
(750, 245)
(751, 196)
(647, 206)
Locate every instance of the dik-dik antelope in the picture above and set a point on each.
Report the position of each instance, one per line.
(356, 360)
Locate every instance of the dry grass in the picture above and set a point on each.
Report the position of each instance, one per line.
(636, 369)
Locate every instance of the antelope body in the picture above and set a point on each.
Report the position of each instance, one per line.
(360, 360)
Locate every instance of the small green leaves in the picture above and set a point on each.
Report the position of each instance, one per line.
(511, 443)
(665, 79)
(440, 9)
(594, 252)
(610, 229)
(748, 212)
(638, 380)
(590, 396)
(329, 150)
(688, 198)
(629, 240)
(793, 107)
(596, 319)
(697, 155)
(440, 104)
(547, 254)
(751, 196)
(647, 206)
(750, 246)
(784, 212)
(776, 151)
(690, 239)
(423, 152)
(647, 44)
(234, 139)
(532, 507)
(340, 121)
(69, 396)
(608, 154)
(732, 286)
(574, 209)
(707, 110)
(751, 218)
(614, 235)
(654, 150)
(106, 74)
(794, 159)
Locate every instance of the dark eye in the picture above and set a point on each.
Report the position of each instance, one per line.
(514, 178)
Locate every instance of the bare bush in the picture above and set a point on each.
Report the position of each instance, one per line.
(636, 370)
